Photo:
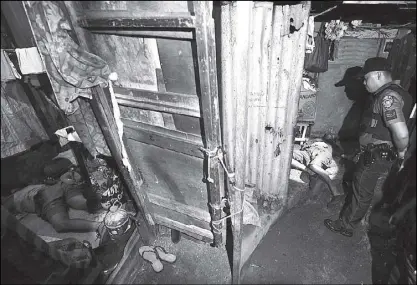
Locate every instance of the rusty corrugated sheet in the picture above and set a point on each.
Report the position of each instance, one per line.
(276, 57)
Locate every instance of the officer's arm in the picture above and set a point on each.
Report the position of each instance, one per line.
(391, 109)
(399, 132)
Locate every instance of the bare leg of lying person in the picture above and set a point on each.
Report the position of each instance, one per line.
(62, 223)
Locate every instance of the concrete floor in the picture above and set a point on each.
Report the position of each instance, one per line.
(297, 249)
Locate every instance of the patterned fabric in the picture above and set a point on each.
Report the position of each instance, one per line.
(71, 69)
(320, 154)
(20, 126)
(106, 182)
(87, 127)
(8, 71)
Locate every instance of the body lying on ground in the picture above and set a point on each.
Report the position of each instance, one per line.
(316, 156)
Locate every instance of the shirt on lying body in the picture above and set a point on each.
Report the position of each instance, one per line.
(24, 199)
(318, 153)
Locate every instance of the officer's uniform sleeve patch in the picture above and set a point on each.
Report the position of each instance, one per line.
(391, 105)
(387, 101)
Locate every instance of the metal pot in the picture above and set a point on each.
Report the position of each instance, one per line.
(117, 223)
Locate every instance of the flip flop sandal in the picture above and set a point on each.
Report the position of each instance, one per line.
(346, 232)
(164, 255)
(151, 257)
(330, 225)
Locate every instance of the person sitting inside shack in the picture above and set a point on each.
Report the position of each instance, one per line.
(316, 157)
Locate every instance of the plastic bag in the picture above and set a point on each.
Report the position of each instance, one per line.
(317, 61)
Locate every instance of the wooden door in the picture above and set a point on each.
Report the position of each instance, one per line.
(165, 129)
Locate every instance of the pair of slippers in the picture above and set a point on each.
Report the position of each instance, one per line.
(154, 255)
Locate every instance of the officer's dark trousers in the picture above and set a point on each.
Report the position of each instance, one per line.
(365, 179)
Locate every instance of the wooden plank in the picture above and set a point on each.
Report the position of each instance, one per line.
(185, 137)
(159, 101)
(104, 115)
(126, 19)
(180, 217)
(168, 118)
(188, 35)
(207, 80)
(190, 211)
(191, 230)
(188, 144)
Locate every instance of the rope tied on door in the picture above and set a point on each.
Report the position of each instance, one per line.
(218, 153)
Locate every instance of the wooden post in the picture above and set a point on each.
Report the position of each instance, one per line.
(104, 115)
(207, 78)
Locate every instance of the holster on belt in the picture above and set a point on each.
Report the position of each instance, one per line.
(380, 151)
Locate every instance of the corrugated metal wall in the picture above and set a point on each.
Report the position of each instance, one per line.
(275, 59)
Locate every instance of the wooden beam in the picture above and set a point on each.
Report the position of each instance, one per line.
(126, 19)
(166, 102)
(104, 115)
(190, 211)
(174, 140)
(153, 34)
(207, 81)
(380, 2)
(168, 118)
(191, 230)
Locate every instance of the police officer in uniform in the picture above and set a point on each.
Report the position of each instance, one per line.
(384, 139)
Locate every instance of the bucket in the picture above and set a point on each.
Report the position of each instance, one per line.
(117, 223)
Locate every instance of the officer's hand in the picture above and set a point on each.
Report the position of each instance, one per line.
(401, 154)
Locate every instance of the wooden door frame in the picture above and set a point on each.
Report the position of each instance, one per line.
(100, 104)
(200, 25)
(207, 81)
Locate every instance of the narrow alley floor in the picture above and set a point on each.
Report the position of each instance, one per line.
(297, 249)
(300, 249)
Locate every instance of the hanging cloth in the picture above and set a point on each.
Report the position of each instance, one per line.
(8, 70)
(30, 61)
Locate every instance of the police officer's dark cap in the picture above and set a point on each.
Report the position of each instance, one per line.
(376, 64)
